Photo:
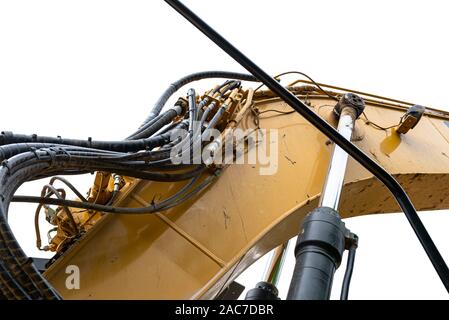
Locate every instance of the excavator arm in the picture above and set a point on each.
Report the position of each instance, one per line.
(203, 189)
(196, 249)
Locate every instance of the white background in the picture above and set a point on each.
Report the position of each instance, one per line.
(94, 68)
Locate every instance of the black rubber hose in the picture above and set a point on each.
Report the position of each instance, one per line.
(22, 167)
(11, 289)
(161, 121)
(14, 181)
(21, 267)
(71, 162)
(394, 187)
(175, 86)
(145, 127)
(122, 210)
(30, 280)
(9, 138)
(70, 185)
(348, 273)
(13, 144)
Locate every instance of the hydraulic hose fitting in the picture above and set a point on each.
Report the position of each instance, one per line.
(183, 104)
(118, 182)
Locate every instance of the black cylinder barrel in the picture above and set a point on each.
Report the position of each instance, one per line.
(318, 253)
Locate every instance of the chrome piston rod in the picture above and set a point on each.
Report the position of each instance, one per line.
(330, 196)
(273, 270)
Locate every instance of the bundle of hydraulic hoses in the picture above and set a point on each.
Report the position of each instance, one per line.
(145, 154)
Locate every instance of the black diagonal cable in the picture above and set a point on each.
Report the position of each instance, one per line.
(394, 187)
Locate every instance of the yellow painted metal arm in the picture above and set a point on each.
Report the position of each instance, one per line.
(194, 250)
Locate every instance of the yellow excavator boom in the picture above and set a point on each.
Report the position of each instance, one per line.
(196, 249)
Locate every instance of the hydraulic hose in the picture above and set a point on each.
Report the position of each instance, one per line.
(394, 187)
(164, 205)
(161, 121)
(348, 273)
(29, 157)
(8, 138)
(175, 86)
